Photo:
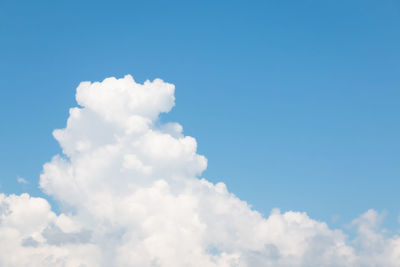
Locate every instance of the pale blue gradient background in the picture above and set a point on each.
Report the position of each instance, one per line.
(294, 103)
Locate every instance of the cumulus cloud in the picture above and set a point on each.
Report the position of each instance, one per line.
(131, 194)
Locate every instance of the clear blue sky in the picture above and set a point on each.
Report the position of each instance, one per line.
(294, 103)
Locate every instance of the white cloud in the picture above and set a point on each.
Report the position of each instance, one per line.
(132, 195)
(21, 180)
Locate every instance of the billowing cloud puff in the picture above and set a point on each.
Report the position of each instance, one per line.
(131, 194)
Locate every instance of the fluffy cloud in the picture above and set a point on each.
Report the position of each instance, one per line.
(131, 195)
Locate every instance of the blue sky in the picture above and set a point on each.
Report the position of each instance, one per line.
(294, 103)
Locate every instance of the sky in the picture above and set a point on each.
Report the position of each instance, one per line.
(293, 103)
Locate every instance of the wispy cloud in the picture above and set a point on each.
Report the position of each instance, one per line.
(22, 180)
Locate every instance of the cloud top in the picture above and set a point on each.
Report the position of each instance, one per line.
(118, 99)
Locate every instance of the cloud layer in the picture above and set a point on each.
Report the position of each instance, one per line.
(131, 195)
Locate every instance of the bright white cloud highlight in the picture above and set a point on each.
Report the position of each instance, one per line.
(131, 195)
